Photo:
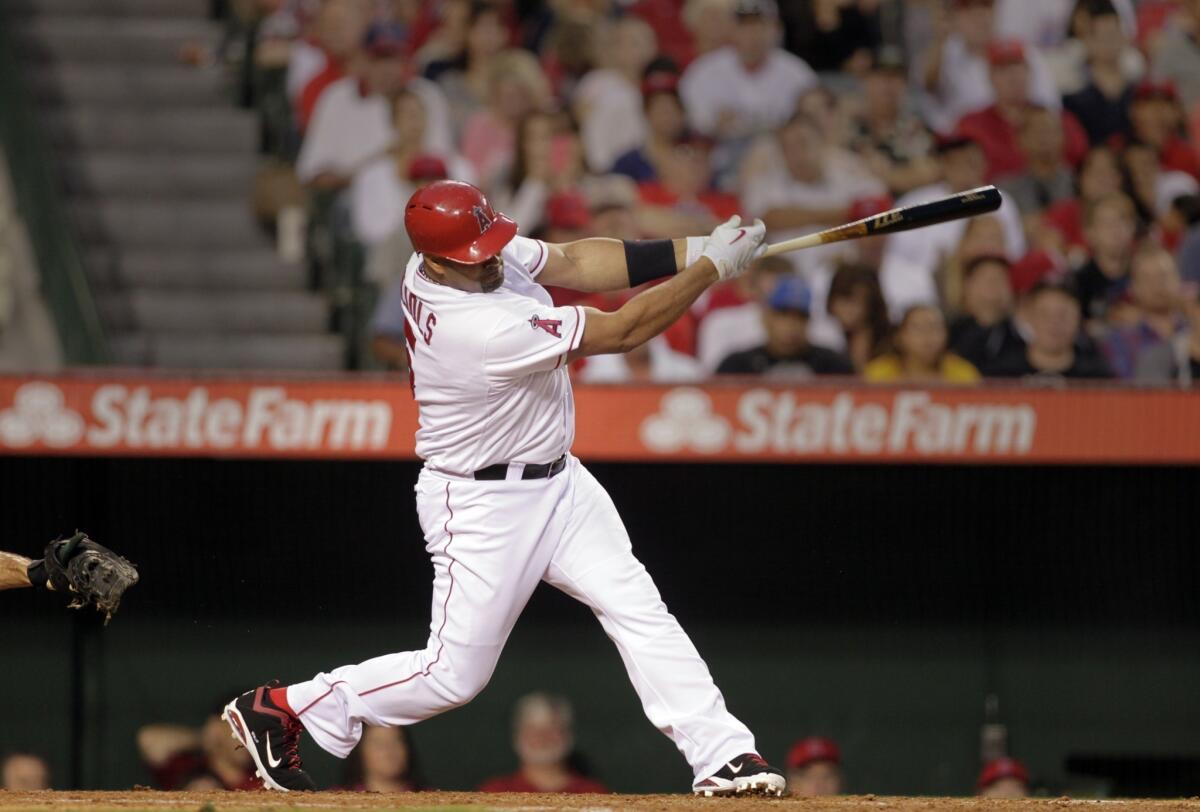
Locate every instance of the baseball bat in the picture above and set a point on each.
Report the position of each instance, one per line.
(955, 207)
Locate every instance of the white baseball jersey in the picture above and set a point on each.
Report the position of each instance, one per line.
(489, 369)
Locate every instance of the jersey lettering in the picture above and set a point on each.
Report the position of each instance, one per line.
(416, 309)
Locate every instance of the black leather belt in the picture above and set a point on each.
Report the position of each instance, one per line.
(531, 471)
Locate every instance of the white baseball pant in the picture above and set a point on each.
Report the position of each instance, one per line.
(491, 543)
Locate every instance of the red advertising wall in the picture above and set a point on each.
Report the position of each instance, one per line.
(365, 417)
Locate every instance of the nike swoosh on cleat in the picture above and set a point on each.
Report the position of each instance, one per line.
(729, 764)
(741, 233)
(274, 762)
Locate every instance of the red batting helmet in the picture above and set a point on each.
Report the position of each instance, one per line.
(452, 219)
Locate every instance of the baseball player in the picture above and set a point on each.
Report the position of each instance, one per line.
(89, 572)
(502, 502)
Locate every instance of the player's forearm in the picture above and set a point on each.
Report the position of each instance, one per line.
(14, 571)
(654, 310)
(599, 264)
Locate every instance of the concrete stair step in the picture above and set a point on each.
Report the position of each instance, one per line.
(99, 39)
(167, 223)
(214, 269)
(196, 9)
(305, 351)
(203, 129)
(128, 174)
(190, 311)
(133, 86)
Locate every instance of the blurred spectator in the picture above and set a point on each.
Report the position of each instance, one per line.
(1101, 102)
(666, 122)
(537, 167)
(1157, 121)
(732, 320)
(1177, 57)
(918, 353)
(954, 70)
(709, 23)
(1047, 23)
(1154, 188)
(750, 86)
(1054, 349)
(184, 758)
(313, 66)
(608, 101)
(383, 761)
(814, 768)
(467, 76)
(516, 88)
(1046, 178)
(1156, 293)
(889, 135)
(855, 302)
(24, 772)
(787, 352)
(1061, 228)
(986, 330)
(1003, 778)
(908, 272)
(682, 200)
(544, 742)
(352, 121)
(1110, 227)
(997, 127)
(1176, 361)
(834, 35)
(983, 237)
(815, 188)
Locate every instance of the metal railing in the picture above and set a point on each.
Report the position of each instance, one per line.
(38, 198)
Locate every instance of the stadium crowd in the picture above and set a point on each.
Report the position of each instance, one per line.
(386, 760)
(660, 118)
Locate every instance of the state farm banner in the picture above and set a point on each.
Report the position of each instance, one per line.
(353, 417)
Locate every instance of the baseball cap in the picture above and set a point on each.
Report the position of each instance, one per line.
(814, 748)
(567, 210)
(660, 81)
(1005, 52)
(790, 294)
(756, 8)
(1000, 768)
(1149, 89)
(427, 167)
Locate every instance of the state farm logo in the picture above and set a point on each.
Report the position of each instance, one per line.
(770, 421)
(39, 413)
(253, 418)
(686, 421)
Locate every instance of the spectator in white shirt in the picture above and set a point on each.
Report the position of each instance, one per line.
(911, 259)
(608, 100)
(750, 86)
(954, 71)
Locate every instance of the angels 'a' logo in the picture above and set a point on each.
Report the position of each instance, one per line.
(482, 218)
(549, 325)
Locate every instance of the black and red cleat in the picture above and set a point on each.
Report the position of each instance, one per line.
(272, 735)
(748, 774)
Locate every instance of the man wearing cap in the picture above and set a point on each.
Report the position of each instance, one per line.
(1003, 778)
(787, 352)
(954, 71)
(750, 86)
(814, 768)
(997, 127)
(502, 502)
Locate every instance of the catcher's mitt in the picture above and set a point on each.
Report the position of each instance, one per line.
(89, 572)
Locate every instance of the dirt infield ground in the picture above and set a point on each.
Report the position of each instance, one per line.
(258, 801)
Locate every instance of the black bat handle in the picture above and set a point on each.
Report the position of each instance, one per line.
(971, 203)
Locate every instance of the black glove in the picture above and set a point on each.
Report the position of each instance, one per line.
(91, 573)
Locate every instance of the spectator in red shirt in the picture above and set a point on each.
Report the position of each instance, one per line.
(681, 201)
(187, 758)
(383, 761)
(544, 742)
(997, 128)
(814, 768)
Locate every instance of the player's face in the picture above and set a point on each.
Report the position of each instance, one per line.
(482, 277)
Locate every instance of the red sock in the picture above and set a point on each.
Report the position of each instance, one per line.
(279, 699)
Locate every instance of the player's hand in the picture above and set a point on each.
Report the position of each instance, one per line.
(732, 246)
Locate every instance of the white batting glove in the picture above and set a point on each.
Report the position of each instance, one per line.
(732, 246)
